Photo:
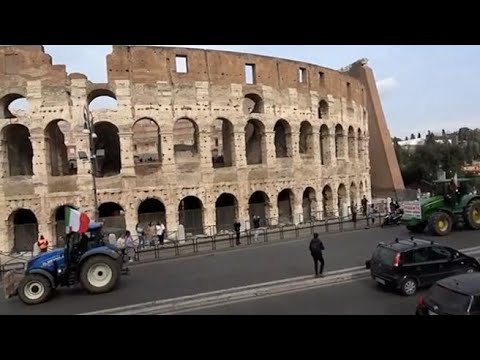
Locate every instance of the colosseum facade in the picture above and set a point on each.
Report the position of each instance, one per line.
(197, 137)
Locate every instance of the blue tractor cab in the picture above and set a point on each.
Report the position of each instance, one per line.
(86, 259)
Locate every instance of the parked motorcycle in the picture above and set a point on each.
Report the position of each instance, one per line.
(393, 218)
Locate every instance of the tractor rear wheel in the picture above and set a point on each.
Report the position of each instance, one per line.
(34, 289)
(99, 274)
(472, 214)
(440, 223)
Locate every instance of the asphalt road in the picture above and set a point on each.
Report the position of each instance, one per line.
(368, 299)
(222, 270)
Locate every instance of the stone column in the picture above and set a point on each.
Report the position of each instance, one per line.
(40, 170)
(171, 217)
(168, 153)
(240, 149)
(209, 218)
(204, 146)
(126, 149)
(268, 150)
(82, 143)
(295, 137)
(329, 150)
(317, 158)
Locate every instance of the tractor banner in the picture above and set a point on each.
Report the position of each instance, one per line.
(412, 210)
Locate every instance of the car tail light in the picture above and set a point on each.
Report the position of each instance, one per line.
(396, 261)
(421, 300)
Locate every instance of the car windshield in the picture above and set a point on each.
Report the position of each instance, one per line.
(384, 255)
(448, 301)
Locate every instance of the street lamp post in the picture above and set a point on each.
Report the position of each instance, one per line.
(88, 126)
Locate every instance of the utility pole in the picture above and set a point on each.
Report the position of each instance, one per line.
(88, 127)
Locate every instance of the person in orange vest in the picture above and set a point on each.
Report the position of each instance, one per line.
(42, 244)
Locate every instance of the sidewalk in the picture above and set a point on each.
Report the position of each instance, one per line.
(205, 244)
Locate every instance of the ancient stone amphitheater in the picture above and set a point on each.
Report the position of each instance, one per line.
(196, 137)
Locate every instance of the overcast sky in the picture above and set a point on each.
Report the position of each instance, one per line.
(422, 87)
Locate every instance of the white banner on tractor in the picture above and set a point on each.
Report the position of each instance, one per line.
(412, 210)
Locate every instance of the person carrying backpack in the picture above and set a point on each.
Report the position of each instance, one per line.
(316, 250)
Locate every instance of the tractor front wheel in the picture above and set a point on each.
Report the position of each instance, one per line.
(472, 214)
(99, 274)
(440, 223)
(34, 289)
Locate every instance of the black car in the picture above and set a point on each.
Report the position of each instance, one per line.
(409, 264)
(456, 295)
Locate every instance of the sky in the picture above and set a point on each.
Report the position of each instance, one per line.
(423, 87)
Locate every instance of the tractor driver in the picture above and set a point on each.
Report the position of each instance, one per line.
(452, 191)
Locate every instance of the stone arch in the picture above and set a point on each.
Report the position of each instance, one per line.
(112, 215)
(285, 204)
(323, 110)
(223, 143)
(255, 142)
(190, 215)
(283, 139)
(259, 204)
(327, 202)
(101, 99)
(309, 204)
(23, 228)
(17, 150)
(226, 209)
(59, 227)
(354, 194)
(325, 153)
(186, 139)
(107, 149)
(253, 104)
(342, 200)
(12, 106)
(339, 142)
(61, 148)
(351, 143)
(306, 139)
(147, 147)
(151, 210)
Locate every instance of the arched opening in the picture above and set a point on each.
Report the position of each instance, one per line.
(252, 104)
(325, 154)
(351, 143)
(283, 139)
(342, 201)
(306, 139)
(259, 205)
(147, 152)
(255, 142)
(102, 99)
(13, 106)
(190, 215)
(285, 206)
(309, 204)
(185, 139)
(152, 211)
(223, 143)
(323, 110)
(24, 228)
(59, 228)
(226, 208)
(61, 148)
(360, 145)
(353, 195)
(327, 202)
(339, 142)
(107, 149)
(112, 215)
(17, 148)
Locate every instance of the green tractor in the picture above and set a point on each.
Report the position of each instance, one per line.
(444, 210)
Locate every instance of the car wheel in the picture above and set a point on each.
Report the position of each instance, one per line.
(470, 270)
(408, 287)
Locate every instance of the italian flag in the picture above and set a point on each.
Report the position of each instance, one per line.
(76, 221)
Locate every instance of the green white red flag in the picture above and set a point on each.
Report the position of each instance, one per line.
(76, 221)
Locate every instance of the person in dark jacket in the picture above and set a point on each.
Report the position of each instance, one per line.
(236, 226)
(316, 250)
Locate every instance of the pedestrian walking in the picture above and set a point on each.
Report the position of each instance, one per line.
(364, 205)
(160, 228)
(353, 209)
(129, 246)
(237, 226)
(316, 250)
(256, 226)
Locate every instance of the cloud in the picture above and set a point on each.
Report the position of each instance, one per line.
(386, 85)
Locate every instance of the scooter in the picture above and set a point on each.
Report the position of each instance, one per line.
(392, 218)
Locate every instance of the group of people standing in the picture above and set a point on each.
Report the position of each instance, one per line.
(151, 235)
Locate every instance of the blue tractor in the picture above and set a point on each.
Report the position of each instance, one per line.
(87, 259)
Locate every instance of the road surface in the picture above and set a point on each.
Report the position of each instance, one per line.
(361, 297)
(223, 270)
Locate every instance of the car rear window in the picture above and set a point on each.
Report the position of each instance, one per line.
(448, 301)
(384, 255)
